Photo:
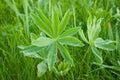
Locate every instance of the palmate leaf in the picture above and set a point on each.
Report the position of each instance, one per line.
(65, 54)
(42, 42)
(41, 68)
(63, 22)
(69, 40)
(98, 55)
(52, 55)
(104, 44)
(70, 32)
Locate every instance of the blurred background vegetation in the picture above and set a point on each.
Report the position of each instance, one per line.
(15, 32)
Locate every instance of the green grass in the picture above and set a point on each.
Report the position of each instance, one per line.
(15, 31)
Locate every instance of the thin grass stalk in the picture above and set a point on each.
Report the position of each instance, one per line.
(50, 7)
(26, 24)
(74, 16)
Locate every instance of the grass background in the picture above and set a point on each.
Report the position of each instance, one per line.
(15, 66)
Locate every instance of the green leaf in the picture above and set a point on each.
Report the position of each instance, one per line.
(93, 27)
(70, 32)
(42, 42)
(31, 51)
(89, 27)
(52, 56)
(65, 54)
(55, 21)
(96, 28)
(98, 55)
(62, 68)
(83, 36)
(63, 65)
(33, 36)
(64, 22)
(41, 25)
(68, 40)
(104, 44)
(41, 68)
(43, 17)
(59, 10)
(89, 22)
(42, 34)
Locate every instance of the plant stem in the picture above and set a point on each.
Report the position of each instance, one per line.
(62, 77)
(83, 60)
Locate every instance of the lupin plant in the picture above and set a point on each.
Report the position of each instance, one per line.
(56, 36)
(93, 31)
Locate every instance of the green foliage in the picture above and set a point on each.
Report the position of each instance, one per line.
(93, 30)
(71, 41)
(31, 51)
(42, 41)
(42, 67)
(104, 44)
(57, 37)
(6, 19)
(48, 32)
(65, 54)
(52, 55)
(62, 69)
